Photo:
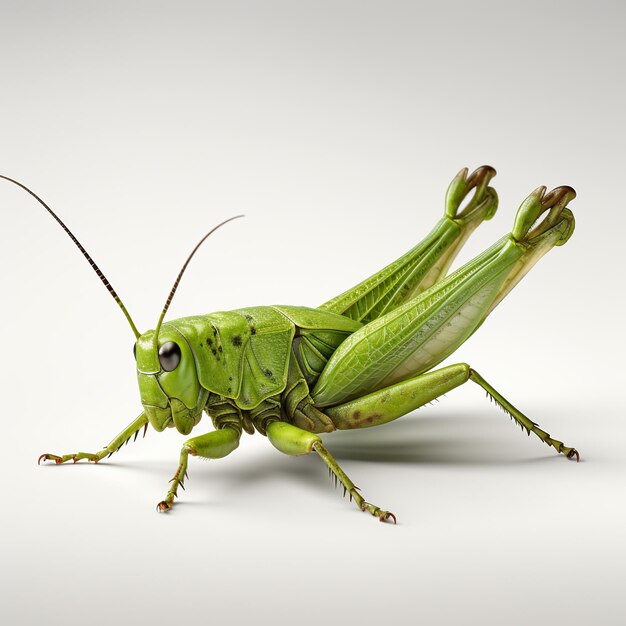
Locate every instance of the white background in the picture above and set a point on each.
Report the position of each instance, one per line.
(336, 127)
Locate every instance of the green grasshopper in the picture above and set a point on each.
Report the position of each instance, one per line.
(362, 359)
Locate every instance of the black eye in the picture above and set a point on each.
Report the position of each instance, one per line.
(135, 351)
(169, 356)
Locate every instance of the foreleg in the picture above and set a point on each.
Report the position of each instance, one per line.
(114, 446)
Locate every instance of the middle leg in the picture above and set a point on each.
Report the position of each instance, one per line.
(294, 441)
(213, 445)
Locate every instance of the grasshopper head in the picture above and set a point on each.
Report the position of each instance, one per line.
(168, 382)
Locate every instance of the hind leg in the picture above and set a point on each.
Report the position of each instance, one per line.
(389, 404)
(428, 262)
(521, 419)
(397, 400)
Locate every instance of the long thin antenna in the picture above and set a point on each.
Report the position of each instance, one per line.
(180, 275)
(95, 268)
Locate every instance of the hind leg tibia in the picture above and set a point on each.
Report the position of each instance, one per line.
(525, 423)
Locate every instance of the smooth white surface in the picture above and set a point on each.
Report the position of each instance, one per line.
(336, 127)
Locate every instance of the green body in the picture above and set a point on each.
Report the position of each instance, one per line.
(297, 364)
(362, 359)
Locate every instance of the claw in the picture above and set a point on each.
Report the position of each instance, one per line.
(386, 515)
(50, 457)
(163, 507)
(573, 453)
(382, 516)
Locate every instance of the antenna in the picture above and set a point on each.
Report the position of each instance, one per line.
(95, 268)
(180, 275)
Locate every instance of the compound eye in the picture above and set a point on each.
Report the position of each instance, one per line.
(169, 356)
(135, 350)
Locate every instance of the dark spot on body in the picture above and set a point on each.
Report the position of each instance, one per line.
(252, 330)
(230, 390)
(268, 373)
(374, 416)
(219, 349)
(249, 318)
(236, 341)
(209, 341)
(214, 351)
(230, 378)
(356, 415)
